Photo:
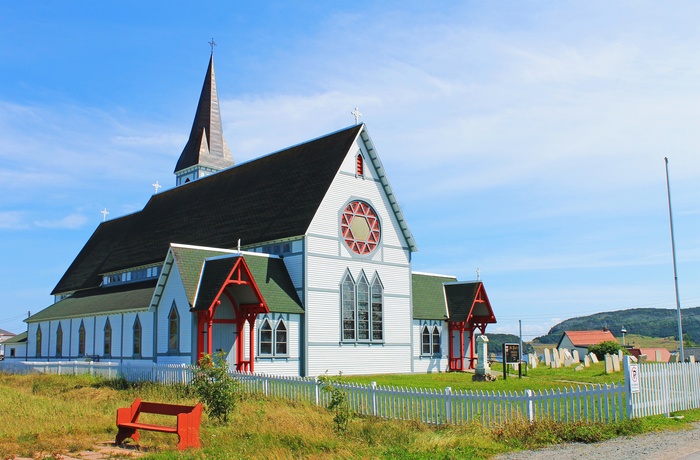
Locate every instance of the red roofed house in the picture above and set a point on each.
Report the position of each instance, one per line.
(581, 340)
(661, 355)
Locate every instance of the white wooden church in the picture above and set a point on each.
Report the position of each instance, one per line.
(296, 263)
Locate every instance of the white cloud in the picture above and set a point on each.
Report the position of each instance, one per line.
(13, 220)
(72, 221)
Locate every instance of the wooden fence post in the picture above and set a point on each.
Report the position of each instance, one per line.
(374, 398)
(317, 391)
(530, 406)
(448, 405)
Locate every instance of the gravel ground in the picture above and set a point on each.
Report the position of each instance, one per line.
(666, 445)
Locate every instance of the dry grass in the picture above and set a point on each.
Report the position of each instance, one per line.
(45, 416)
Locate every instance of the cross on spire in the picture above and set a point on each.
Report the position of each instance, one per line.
(212, 43)
(356, 113)
(156, 186)
(104, 214)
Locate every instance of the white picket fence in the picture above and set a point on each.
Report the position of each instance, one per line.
(665, 388)
(602, 403)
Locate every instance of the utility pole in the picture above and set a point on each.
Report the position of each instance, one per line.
(675, 271)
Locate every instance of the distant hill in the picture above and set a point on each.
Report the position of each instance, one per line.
(653, 322)
(496, 342)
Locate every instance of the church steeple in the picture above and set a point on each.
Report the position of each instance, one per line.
(206, 151)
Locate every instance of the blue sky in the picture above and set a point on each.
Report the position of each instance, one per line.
(525, 139)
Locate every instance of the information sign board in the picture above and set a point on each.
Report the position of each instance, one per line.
(511, 353)
(634, 378)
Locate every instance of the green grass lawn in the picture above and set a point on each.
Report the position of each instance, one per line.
(541, 378)
(45, 416)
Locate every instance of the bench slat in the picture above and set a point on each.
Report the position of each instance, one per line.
(149, 427)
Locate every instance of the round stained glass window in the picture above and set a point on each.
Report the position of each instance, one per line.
(360, 228)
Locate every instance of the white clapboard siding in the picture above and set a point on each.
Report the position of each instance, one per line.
(328, 273)
(174, 293)
(347, 187)
(428, 364)
(360, 358)
(295, 268)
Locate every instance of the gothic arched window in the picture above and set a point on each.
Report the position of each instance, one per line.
(173, 329)
(59, 341)
(137, 337)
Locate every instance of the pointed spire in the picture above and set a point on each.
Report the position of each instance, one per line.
(206, 146)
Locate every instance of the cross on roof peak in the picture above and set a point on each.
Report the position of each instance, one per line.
(104, 213)
(356, 113)
(212, 43)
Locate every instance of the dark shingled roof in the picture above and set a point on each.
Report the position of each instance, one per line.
(273, 197)
(270, 275)
(461, 301)
(429, 296)
(206, 144)
(190, 262)
(100, 301)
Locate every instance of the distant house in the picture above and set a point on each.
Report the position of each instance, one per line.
(581, 340)
(4, 335)
(16, 346)
(659, 355)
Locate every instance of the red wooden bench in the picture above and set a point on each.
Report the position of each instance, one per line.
(187, 428)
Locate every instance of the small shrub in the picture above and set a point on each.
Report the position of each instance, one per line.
(215, 387)
(609, 347)
(339, 400)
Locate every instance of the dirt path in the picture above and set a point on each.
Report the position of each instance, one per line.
(665, 445)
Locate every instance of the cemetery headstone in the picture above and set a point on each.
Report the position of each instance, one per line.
(586, 361)
(547, 357)
(575, 356)
(658, 356)
(616, 363)
(594, 358)
(608, 364)
(579, 367)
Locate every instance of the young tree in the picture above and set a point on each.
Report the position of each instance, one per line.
(215, 387)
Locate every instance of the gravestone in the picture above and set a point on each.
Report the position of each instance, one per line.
(658, 356)
(547, 357)
(616, 363)
(564, 353)
(586, 361)
(533, 360)
(555, 356)
(691, 359)
(579, 367)
(643, 359)
(568, 361)
(620, 355)
(633, 359)
(594, 358)
(575, 356)
(674, 358)
(608, 364)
